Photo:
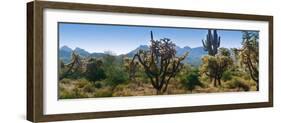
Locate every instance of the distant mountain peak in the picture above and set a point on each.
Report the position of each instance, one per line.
(187, 47)
(65, 48)
(143, 46)
(82, 52)
(79, 49)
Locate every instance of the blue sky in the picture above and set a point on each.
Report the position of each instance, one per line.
(123, 39)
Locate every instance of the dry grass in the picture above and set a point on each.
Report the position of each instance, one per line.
(82, 88)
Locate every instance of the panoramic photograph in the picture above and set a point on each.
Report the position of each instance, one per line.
(104, 60)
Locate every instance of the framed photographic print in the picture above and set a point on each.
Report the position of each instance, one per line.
(96, 61)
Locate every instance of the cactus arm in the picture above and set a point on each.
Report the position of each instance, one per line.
(219, 41)
(151, 35)
(215, 35)
(204, 46)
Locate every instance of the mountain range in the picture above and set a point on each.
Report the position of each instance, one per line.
(193, 58)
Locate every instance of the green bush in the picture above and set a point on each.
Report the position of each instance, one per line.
(117, 76)
(227, 75)
(192, 80)
(95, 71)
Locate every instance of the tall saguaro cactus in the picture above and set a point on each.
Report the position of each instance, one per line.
(212, 43)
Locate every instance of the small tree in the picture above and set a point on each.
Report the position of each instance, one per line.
(94, 71)
(160, 63)
(215, 66)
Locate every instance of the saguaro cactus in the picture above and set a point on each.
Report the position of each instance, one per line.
(212, 43)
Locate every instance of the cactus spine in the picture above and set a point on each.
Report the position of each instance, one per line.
(212, 43)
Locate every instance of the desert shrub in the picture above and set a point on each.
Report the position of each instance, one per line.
(122, 90)
(98, 85)
(89, 88)
(70, 89)
(84, 85)
(65, 81)
(80, 83)
(238, 83)
(72, 94)
(65, 94)
(246, 76)
(104, 93)
(120, 87)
